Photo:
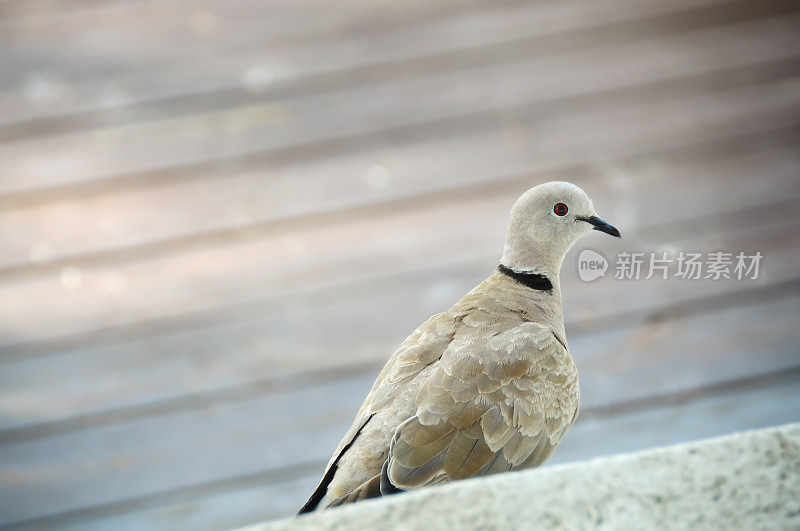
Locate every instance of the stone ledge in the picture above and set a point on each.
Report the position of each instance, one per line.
(748, 480)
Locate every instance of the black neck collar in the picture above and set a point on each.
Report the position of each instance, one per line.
(532, 280)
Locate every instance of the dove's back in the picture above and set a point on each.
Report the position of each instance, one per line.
(485, 387)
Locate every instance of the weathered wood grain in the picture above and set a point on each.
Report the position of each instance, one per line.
(550, 81)
(251, 343)
(240, 271)
(236, 347)
(170, 202)
(102, 69)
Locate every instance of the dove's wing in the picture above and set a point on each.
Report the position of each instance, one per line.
(504, 407)
(422, 348)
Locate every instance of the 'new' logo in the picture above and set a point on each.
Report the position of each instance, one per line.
(591, 265)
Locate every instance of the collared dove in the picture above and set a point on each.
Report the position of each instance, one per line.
(485, 387)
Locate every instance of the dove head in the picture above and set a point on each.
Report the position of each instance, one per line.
(544, 224)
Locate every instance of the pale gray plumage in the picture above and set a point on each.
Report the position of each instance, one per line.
(487, 386)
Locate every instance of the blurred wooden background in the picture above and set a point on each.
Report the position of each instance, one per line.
(219, 218)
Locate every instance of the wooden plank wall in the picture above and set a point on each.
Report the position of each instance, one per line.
(219, 218)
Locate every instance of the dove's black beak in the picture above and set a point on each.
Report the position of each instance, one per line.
(601, 225)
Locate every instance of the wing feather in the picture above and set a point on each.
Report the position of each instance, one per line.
(486, 398)
(486, 412)
(467, 454)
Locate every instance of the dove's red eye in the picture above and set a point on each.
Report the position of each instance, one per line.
(560, 209)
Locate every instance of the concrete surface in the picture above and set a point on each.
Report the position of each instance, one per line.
(748, 480)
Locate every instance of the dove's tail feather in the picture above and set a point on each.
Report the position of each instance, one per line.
(322, 488)
(368, 489)
(377, 486)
